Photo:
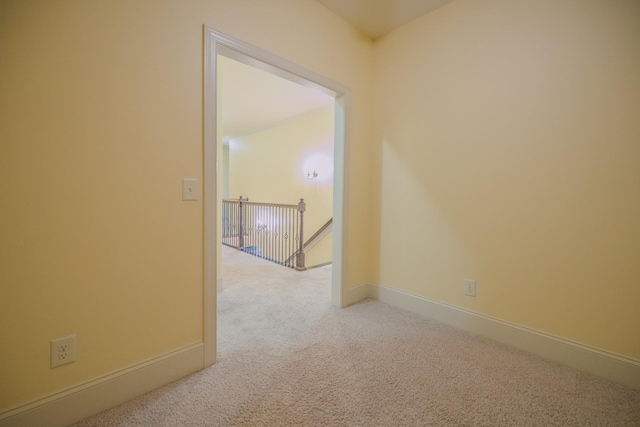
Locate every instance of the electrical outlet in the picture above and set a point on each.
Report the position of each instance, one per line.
(63, 351)
(470, 287)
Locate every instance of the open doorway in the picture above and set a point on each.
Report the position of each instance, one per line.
(277, 149)
(220, 44)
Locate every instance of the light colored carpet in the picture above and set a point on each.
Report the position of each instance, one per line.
(287, 358)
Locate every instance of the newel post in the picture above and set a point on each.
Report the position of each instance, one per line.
(302, 206)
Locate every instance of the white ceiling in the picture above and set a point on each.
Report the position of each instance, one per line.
(252, 99)
(376, 18)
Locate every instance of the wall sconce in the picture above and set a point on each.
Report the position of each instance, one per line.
(316, 167)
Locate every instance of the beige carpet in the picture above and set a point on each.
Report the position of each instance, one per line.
(287, 358)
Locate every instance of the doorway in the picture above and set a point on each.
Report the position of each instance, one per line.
(278, 142)
(220, 44)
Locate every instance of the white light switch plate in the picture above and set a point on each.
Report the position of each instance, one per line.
(190, 189)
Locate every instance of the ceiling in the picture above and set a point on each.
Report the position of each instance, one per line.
(376, 18)
(253, 99)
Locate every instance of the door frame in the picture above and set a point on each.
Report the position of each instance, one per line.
(218, 43)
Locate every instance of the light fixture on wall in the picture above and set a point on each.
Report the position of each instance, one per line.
(317, 167)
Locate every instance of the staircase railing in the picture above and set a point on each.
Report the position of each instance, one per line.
(271, 231)
(314, 239)
(318, 235)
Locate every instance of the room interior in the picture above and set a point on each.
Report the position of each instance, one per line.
(491, 148)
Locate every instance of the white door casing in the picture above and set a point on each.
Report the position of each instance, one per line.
(216, 43)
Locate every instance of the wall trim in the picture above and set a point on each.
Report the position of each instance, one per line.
(602, 363)
(75, 403)
(358, 293)
(319, 265)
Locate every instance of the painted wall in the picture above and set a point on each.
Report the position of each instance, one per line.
(321, 252)
(100, 119)
(271, 166)
(508, 141)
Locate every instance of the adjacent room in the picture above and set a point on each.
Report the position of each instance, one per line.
(277, 150)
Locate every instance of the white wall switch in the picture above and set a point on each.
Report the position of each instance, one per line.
(190, 189)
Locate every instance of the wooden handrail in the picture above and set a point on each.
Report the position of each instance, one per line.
(312, 238)
(267, 230)
(319, 232)
(247, 202)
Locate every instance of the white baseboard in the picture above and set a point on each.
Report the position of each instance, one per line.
(598, 362)
(357, 293)
(72, 405)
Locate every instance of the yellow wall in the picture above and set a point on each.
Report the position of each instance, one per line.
(507, 141)
(320, 253)
(267, 166)
(100, 119)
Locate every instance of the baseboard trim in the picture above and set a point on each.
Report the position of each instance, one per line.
(598, 362)
(319, 265)
(357, 293)
(81, 401)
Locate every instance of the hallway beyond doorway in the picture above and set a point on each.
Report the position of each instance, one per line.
(277, 291)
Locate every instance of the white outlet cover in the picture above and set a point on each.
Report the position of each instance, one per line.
(470, 287)
(63, 351)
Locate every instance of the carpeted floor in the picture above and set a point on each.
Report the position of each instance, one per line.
(287, 358)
